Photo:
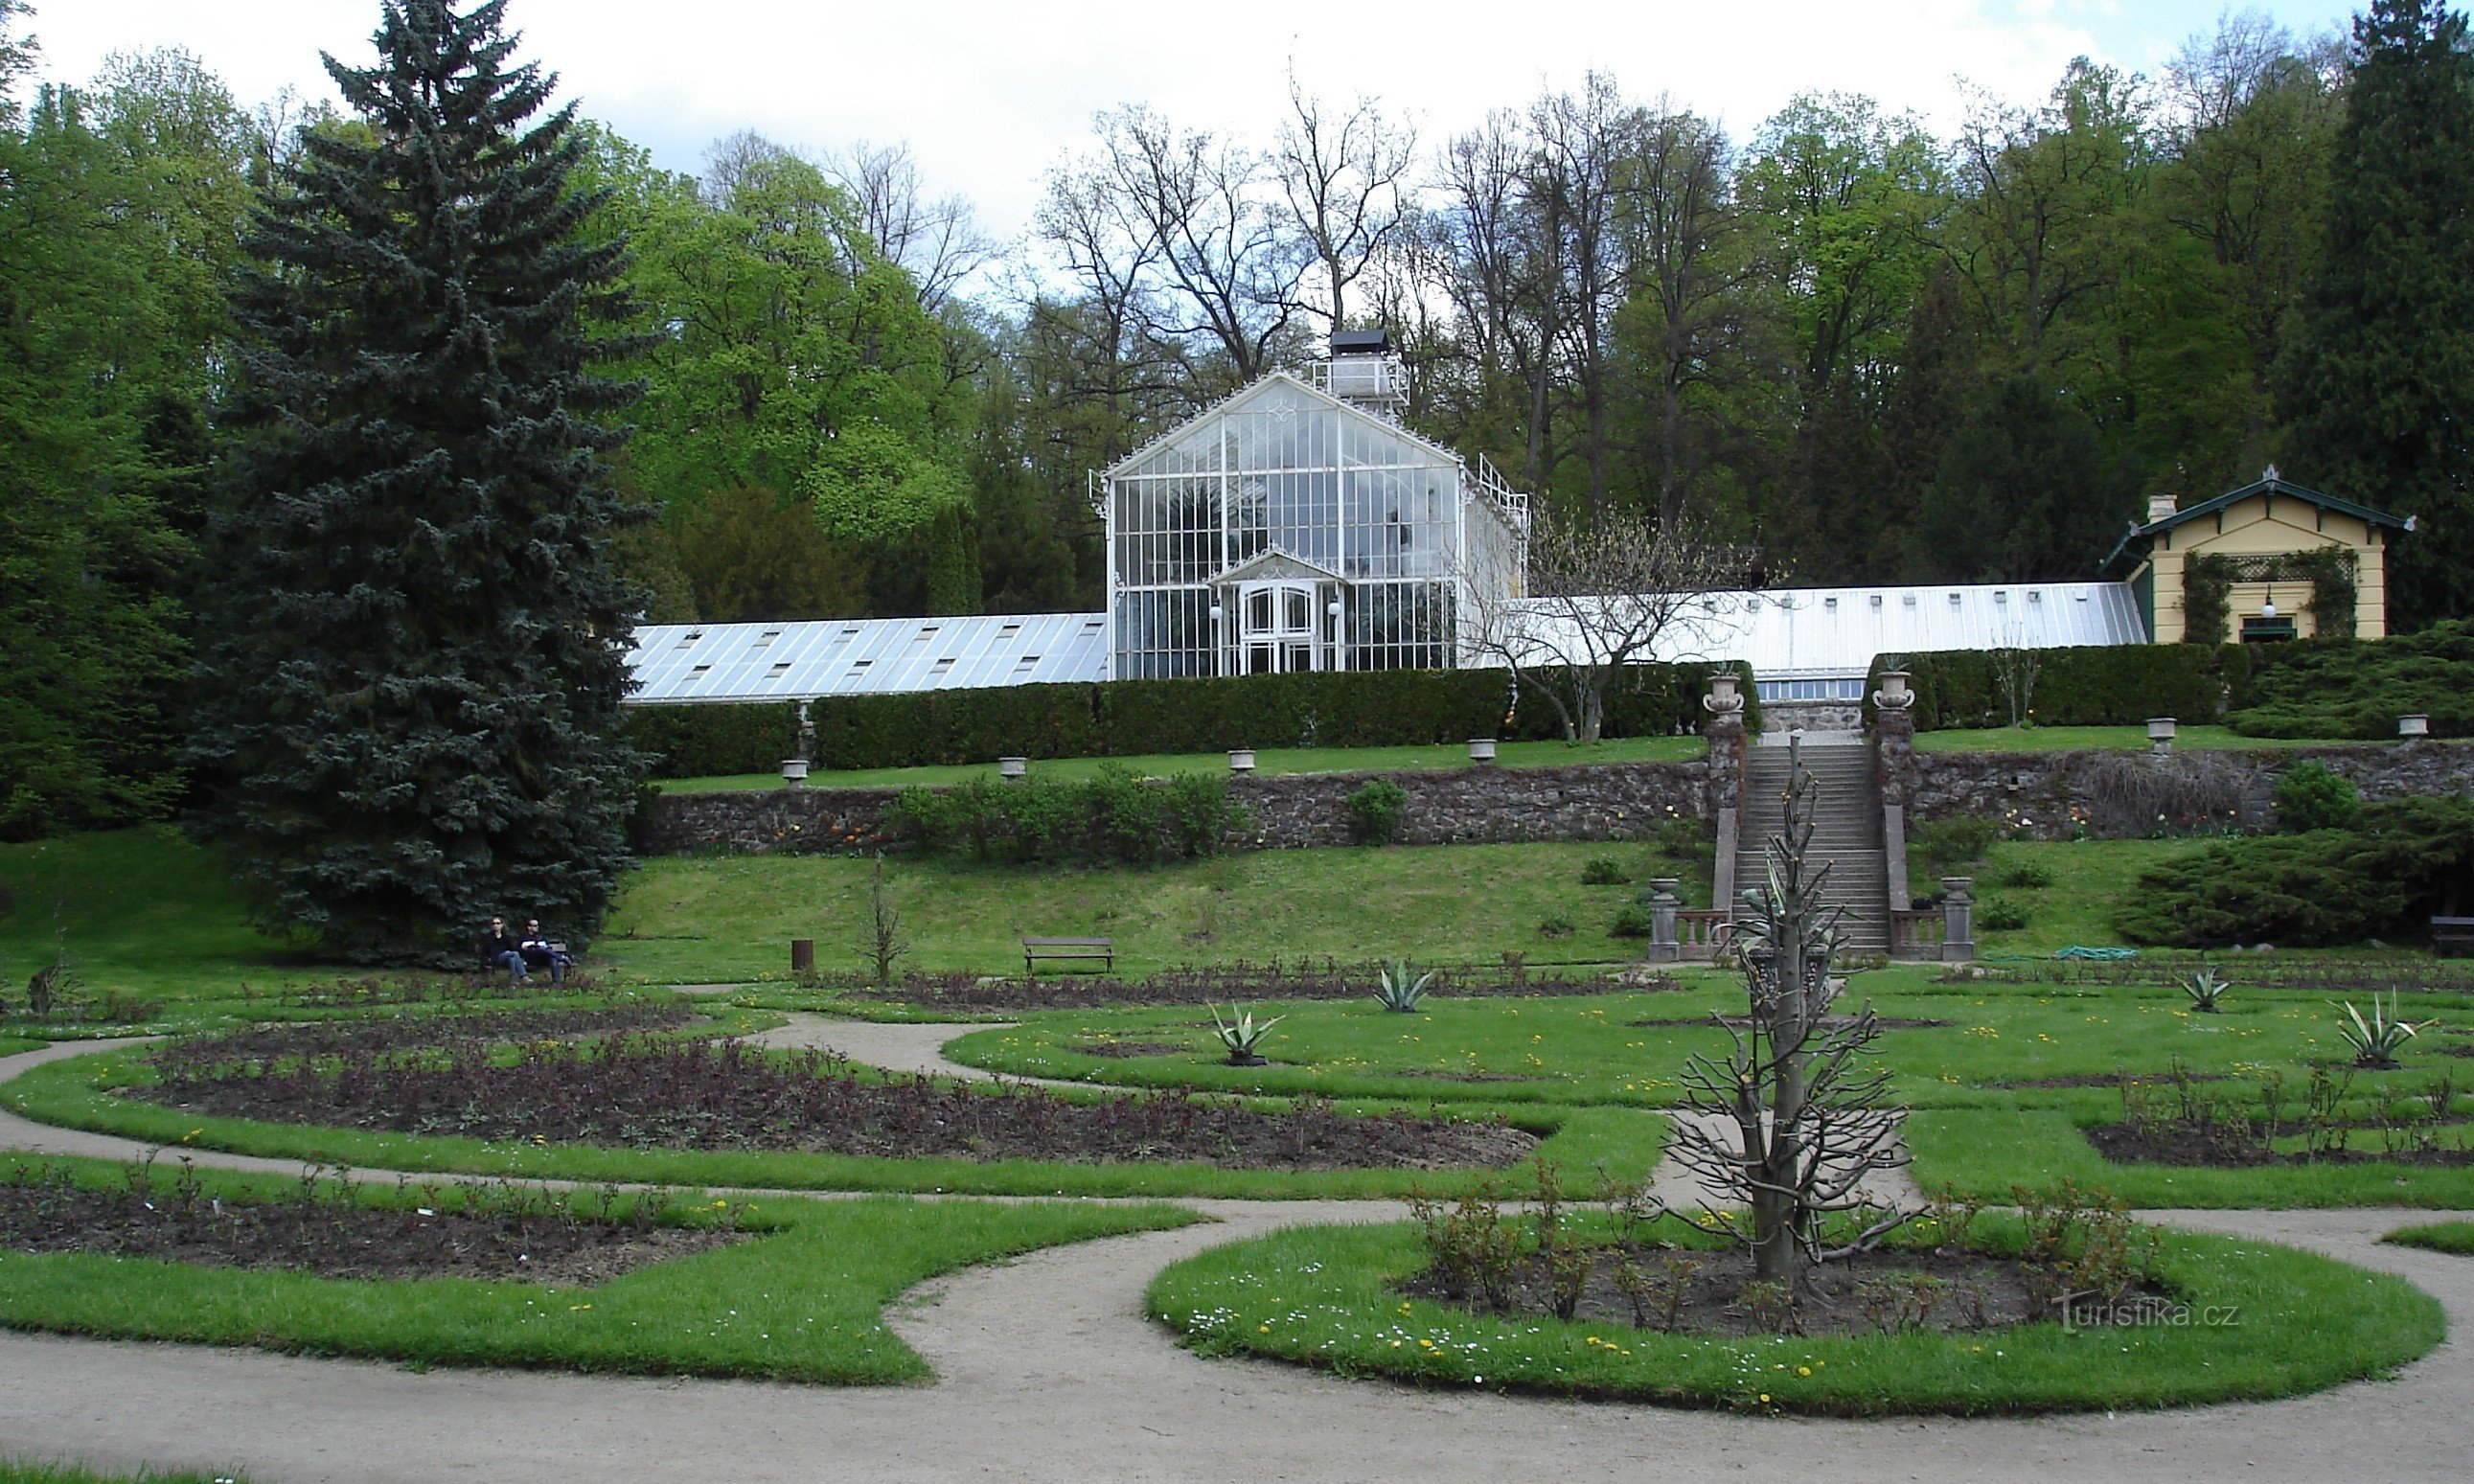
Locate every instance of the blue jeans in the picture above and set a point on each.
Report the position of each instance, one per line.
(514, 963)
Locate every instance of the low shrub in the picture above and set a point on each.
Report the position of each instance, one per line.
(2001, 915)
(1111, 816)
(1948, 848)
(1604, 872)
(2136, 796)
(1556, 925)
(2402, 860)
(2024, 876)
(2309, 797)
(2359, 687)
(1631, 920)
(1374, 812)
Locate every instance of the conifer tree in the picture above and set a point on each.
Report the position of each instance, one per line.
(2380, 388)
(415, 654)
(952, 563)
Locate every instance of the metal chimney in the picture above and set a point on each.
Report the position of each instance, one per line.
(1364, 370)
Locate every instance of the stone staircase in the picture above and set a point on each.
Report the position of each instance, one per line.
(1846, 831)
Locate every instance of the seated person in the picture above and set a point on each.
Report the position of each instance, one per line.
(541, 954)
(501, 951)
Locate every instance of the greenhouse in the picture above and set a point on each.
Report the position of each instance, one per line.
(1296, 526)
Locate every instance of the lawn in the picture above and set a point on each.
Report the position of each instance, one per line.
(1326, 1297)
(722, 918)
(140, 911)
(2057, 739)
(1268, 761)
(26, 1470)
(803, 1301)
(2438, 1236)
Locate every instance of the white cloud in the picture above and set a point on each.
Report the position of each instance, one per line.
(990, 94)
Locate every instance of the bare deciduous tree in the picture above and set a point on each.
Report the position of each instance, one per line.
(1788, 1125)
(938, 242)
(1602, 596)
(1343, 176)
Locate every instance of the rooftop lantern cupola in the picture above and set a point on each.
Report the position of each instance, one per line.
(1364, 371)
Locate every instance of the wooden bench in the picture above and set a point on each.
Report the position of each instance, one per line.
(2448, 933)
(1071, 949)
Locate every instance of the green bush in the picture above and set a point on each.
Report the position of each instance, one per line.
(1631, 920)
(2310, 797)
(2001, 915)
(1110, 816)
(1948, 848)
(712, 741)
(1374, 812)
(1143, 718)
(2025, 875)
(2099, 685)
(1604, 872)
(2400, 861)
(2359, 687)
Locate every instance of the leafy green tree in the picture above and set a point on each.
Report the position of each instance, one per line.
(92, 345)
(409, 697)
(753, 556)
(2380, 386)
(952, 563)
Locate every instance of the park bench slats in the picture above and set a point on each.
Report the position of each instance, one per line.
(1068, 949)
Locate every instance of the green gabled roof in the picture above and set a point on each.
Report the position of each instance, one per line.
(2270, 485)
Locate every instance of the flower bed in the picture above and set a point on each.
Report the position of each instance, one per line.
(1331, 979)
(496, 1231)
(639, 1091)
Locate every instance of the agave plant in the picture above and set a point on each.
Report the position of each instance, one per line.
(1400, 987)
(1243, 1034)
(2207, 990)
(2376, 1041)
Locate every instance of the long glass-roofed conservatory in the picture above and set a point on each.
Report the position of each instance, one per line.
(1289, 528)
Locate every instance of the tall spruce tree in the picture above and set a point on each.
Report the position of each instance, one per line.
(412, 669)
(2380, 388)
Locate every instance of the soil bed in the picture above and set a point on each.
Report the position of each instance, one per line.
(633, 1091)
(967, 993)
(1870, 1293)
(1119, 1049)
(511, 1233)
(1826, 1022)
(2214, 1146)
(2110, 1079)
(258, 1043)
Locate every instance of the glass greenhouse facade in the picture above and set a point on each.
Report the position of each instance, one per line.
(1288, 529)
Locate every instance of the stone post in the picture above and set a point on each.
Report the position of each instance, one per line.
(1724, 730)
(1665, 946)
(1894, 771)
(1958, 919)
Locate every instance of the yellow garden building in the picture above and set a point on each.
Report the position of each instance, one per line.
(2271, 560)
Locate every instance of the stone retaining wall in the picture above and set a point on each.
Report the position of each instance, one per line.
(1446, 806)
(2055, 796)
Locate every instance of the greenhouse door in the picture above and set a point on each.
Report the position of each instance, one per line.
(1276, 629)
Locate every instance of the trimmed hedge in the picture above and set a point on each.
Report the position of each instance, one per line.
(712, 741)
(2096, 686)
(1138, 718)
(2359, 687)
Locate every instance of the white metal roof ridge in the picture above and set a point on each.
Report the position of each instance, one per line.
(1161, 440)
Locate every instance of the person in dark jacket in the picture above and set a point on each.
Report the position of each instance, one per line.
(501, 951)
(540, 953)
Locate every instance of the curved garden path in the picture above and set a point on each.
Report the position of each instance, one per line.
(1047, 1371)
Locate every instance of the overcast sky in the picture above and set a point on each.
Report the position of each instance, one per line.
(990, 94)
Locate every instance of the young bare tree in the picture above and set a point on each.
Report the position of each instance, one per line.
(1602, 596)
(1789, 1125)
(940, 242)
(1344, 177)
(883, 943)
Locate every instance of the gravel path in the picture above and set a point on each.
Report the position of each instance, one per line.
(1047, 1372)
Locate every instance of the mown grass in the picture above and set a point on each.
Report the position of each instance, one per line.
(138, 911)
(1595, 1050)
(2438, 1236)
(723, 919)
(75, 1093)
(28, 1471)
(2058, 739)
(1327, 1297)
(801, 1302)
(1269, 762)
(1988, 1152)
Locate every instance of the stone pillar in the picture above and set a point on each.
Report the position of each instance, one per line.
(1665, 946)
(1724, 730)
(1894, 772)
(1958, 919)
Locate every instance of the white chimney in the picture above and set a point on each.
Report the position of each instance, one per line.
(2161, 508)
